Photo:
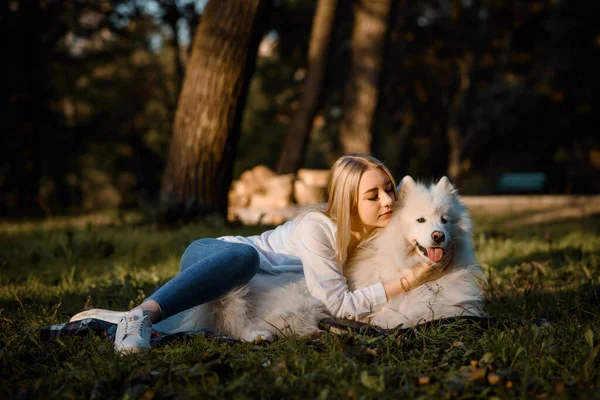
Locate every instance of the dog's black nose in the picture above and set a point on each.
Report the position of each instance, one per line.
(438, 236)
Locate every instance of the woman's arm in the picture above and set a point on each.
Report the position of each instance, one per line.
(315, 242)
(418, 275)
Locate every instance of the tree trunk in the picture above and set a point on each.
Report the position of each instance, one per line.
(25, 114)
(371, 20)
(207, 121)
(463, 98)
(294, 148)
(453, 131)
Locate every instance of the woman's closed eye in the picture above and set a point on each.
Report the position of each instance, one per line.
(376, 197)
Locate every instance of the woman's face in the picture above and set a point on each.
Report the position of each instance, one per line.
(376, 198)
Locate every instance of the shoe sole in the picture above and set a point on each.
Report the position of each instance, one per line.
(130, 351)
(101, 314)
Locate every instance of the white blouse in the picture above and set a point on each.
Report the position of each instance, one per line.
(307, 244)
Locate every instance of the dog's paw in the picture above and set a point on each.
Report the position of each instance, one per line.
(258, 336)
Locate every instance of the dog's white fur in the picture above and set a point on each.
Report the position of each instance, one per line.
(275, 305)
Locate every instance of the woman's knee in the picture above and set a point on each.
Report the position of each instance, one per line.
(193, 253)
(248, 260)
(187, 259)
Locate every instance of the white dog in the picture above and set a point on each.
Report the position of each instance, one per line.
(426, 221)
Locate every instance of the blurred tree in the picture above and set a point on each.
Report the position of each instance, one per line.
(465, 88)
(174, 13)
(298, 136)
(92, 88)
(207, 122)
(92, 92)
(371, 20)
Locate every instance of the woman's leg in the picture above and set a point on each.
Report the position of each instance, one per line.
(209, 268)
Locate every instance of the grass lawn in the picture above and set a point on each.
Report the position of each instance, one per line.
(51, 270)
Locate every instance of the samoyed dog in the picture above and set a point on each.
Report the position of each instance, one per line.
(427, 222)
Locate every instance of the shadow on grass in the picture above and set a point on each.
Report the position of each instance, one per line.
(581, 303)
(503, 227)
(555, 257)
(508, 310)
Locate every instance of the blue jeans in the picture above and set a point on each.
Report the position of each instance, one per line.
(209, 268)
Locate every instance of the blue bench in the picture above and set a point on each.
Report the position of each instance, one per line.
(521, 182)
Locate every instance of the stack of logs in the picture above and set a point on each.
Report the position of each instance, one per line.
(261, 196)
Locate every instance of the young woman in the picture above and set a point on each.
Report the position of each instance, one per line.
(361, 196)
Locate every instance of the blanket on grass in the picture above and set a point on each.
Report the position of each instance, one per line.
(108, 329)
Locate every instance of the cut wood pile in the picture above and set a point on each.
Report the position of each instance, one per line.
(261, 196)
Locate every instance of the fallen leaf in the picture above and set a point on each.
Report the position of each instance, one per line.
(474, 364)
(424, 380)
(148, 395)
(477, 374)
(454, 344)
(371, 352)
(509, 384)
(493, 378)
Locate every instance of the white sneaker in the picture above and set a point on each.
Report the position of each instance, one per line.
(133, 333)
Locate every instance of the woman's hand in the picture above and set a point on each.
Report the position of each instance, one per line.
(430, 270)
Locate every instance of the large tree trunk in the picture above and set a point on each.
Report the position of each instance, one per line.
(294, 148)
(207, 122)
(371, 20)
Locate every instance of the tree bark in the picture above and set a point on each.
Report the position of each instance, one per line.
(207, 121)
(296, 143)
(371, 20)
(453, 131)
(462, 99)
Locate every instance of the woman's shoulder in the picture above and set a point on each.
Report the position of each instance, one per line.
(314, 220)
(314, 216)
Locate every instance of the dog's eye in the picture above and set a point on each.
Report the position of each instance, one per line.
(421, 220)
(444, 220)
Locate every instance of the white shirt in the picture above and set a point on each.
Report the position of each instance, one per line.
(307, 243)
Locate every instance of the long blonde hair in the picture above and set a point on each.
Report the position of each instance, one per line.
(342, 201)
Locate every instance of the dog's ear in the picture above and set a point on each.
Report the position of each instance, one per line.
(446, 185)
(405, 186)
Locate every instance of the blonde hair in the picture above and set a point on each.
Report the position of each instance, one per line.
(342, 202)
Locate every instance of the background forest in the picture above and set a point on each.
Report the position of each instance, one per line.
(469, 88)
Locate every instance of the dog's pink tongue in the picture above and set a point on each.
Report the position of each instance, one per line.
(435, 253)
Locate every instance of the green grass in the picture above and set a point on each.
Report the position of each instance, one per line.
(50, 271)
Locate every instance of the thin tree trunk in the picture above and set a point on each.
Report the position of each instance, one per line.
(371, 20)
(179, 69)
(294, 148)
(207, 122)
(453, 131)
(463, 98)
(398, 145)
